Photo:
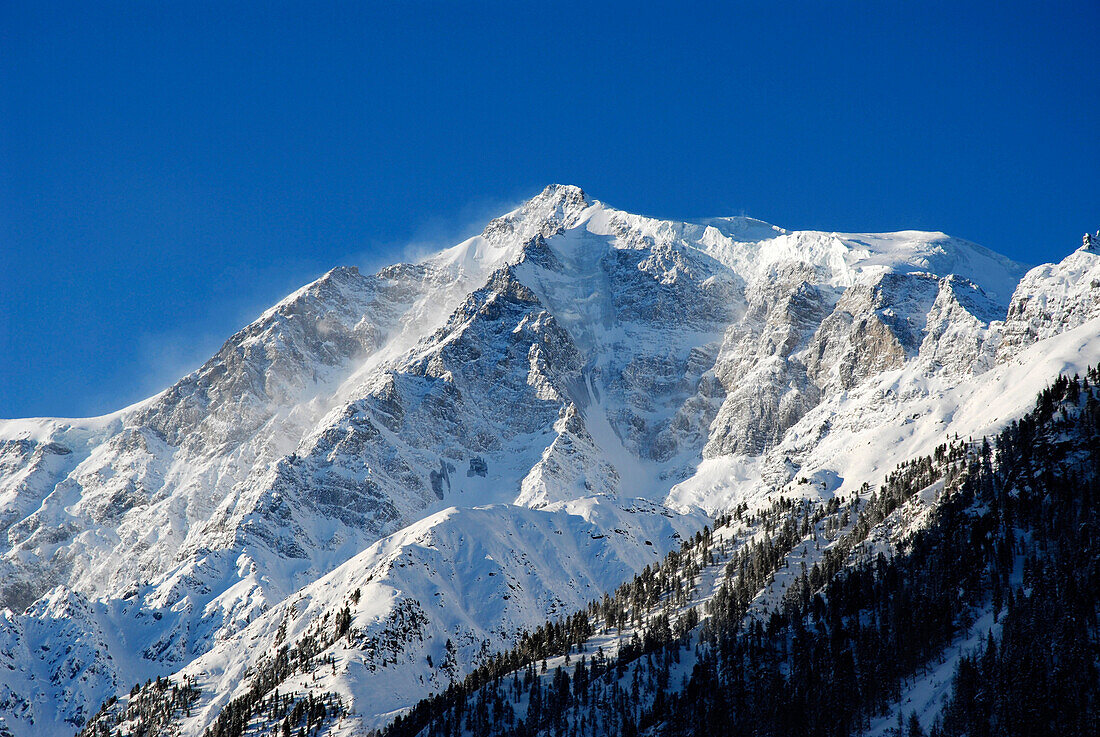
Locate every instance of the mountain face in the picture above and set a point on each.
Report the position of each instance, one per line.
(805, 619)
(441, 455)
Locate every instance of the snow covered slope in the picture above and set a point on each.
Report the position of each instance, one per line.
(959, 595)
(583, 378)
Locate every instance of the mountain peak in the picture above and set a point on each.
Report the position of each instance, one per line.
(561, 192)
(557, 207)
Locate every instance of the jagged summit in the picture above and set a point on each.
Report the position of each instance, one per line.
(561, 197)
(576, 375)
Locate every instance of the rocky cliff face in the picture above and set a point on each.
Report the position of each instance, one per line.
(595, 380)
(1053, 298)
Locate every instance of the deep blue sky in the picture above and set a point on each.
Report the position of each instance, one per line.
(167, 170)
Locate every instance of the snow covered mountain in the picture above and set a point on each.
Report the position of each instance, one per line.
(455, 449)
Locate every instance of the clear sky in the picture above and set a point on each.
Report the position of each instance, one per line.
(169, 169)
